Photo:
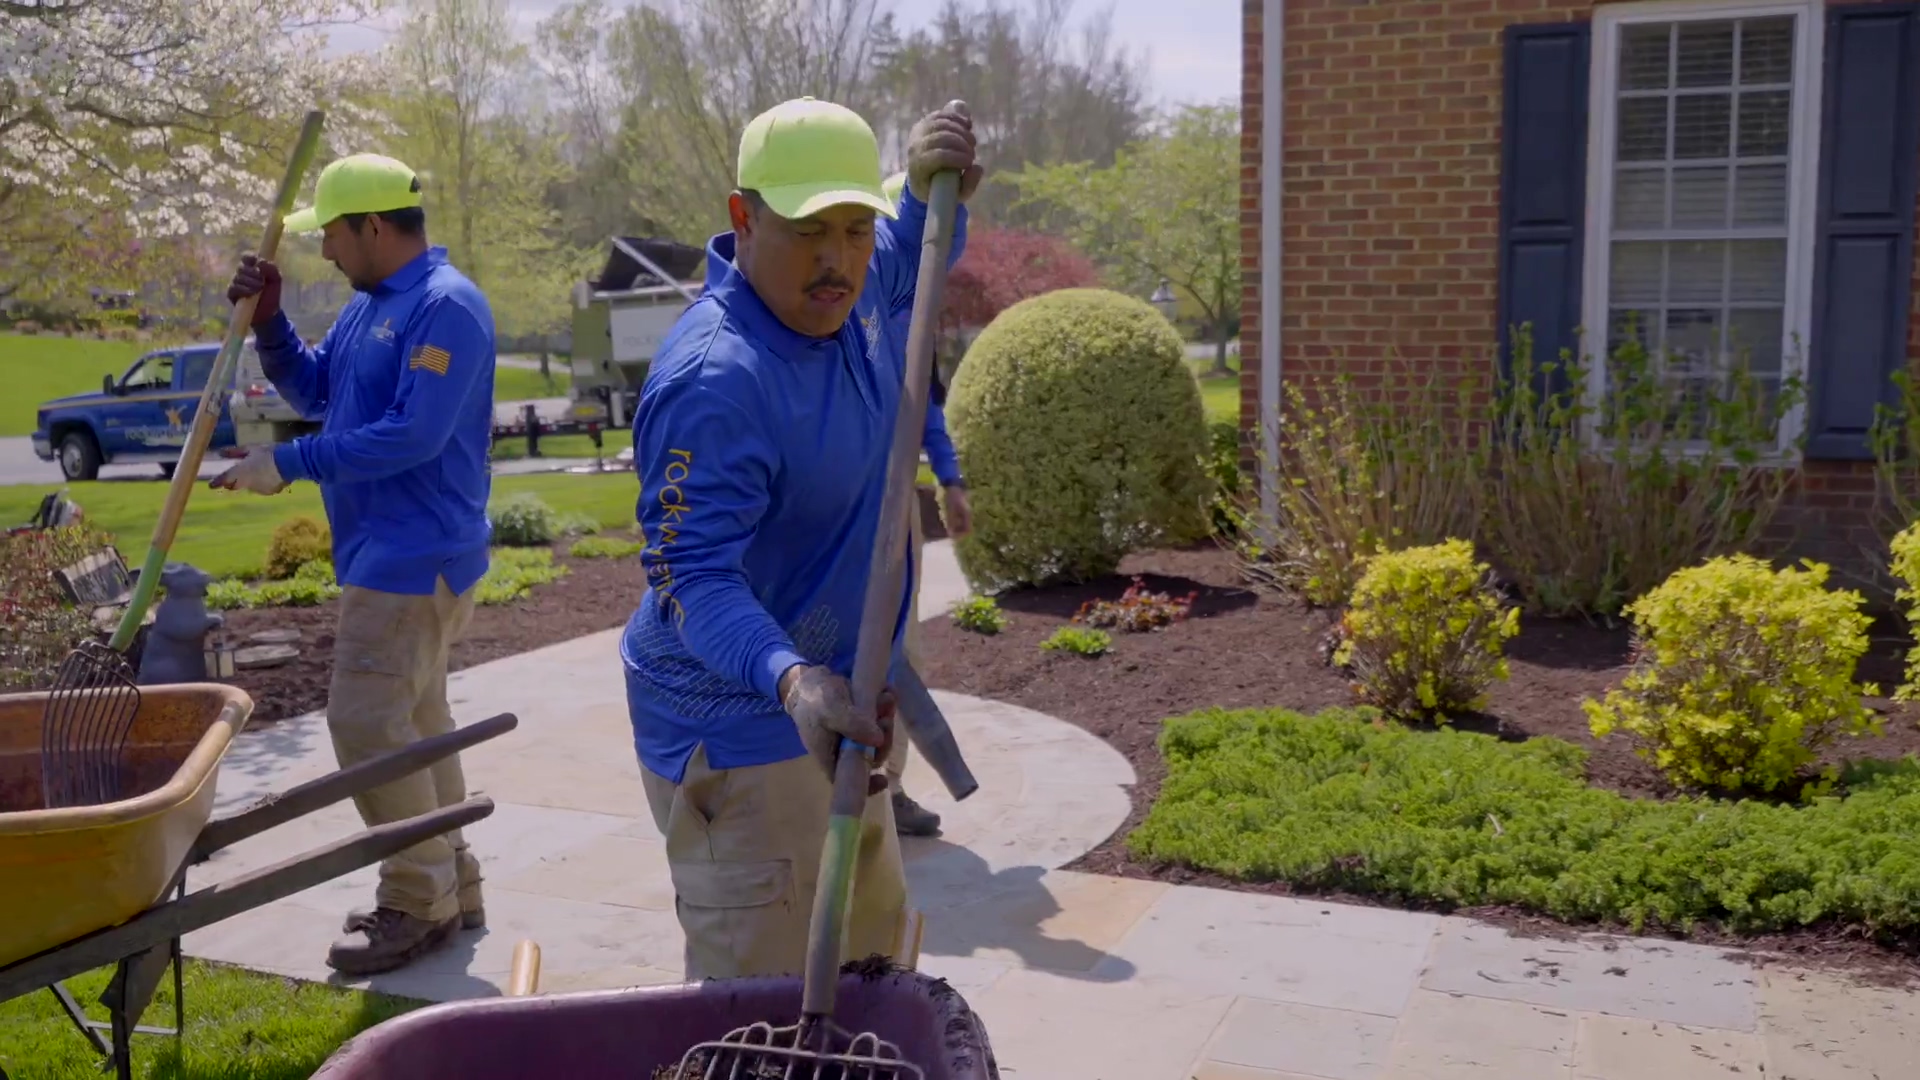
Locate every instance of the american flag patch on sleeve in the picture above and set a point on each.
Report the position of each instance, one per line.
(430, 358)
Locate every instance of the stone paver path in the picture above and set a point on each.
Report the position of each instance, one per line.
(1078, 977)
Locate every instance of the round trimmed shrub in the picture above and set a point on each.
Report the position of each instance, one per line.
(1082, 435)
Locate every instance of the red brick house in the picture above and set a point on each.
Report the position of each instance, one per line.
(1434, 172)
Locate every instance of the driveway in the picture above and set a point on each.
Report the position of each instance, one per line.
(19, 466)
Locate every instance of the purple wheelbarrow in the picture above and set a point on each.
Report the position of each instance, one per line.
(628, 1034)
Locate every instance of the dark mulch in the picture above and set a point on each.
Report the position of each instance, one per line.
(596, 594)
(1242, 649)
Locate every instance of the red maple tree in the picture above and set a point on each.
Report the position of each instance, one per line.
(1002, 267)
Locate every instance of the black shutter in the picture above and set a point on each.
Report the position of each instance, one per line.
(1863, 258)
(1543, 189)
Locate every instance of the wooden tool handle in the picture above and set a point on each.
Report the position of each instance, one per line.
(207, 415)
(524, 979)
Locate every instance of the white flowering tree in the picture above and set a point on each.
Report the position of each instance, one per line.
(133, 126)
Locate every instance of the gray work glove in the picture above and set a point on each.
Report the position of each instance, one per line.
(944, 140)
(821, 704)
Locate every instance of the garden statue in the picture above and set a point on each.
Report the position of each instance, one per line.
(176, 649)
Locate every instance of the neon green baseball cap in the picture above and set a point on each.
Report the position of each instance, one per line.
(357, 184)
(804, 156)
(894, 187)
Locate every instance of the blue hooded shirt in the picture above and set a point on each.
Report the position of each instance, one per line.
(762, 456)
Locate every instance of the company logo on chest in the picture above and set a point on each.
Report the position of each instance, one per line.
(870, 327)
(383, 331)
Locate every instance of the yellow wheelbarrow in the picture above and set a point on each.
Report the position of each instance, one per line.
(88, 886)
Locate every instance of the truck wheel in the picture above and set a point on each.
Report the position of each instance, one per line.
(80, 456)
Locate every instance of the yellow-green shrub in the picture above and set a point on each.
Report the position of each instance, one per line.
(1081, 432)
(1742, 674)
(296, 542)
(1906, 567)
(1425, 634)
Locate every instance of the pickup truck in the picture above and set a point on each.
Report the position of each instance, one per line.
(141, 417)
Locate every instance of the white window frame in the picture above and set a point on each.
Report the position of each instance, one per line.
(1803, 178)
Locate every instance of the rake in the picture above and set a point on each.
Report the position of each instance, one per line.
(817, 1048)
(94, 699)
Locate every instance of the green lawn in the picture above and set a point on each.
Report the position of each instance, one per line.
(520, 384)
(564, 446)
(241, 1025)
(1336, 801)
(37, 368)
(1220, 397)
(225, 533)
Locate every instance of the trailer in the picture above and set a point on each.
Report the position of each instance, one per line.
(620, 319)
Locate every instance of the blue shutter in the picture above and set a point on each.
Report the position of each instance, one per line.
(1863, 259)
(1543, 188)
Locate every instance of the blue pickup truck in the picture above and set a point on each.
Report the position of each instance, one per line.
(140, 418)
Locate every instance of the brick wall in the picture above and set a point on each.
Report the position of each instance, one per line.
(1390, 207)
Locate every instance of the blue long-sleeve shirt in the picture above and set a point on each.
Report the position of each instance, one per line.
(762, 456)
(403, 387)
(941, 457)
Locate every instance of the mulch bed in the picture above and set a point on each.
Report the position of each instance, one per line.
(596, 594)
(1242, 649)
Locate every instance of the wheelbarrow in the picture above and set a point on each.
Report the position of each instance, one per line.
(635, 1034)
(88, 886)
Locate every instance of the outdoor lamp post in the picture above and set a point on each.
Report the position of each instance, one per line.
(1164, 300)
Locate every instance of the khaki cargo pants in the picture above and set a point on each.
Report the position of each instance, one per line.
(902, 746)
(389, 690)
(743, 848)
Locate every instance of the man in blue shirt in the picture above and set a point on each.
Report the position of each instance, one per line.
(909, 817)
(761, 440)
(403, 386)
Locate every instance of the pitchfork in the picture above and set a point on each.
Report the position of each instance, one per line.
(94, 700)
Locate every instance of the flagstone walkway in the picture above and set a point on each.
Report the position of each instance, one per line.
(1077, 977)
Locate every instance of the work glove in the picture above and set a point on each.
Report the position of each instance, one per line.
(941, 141)
(959, 515)
(257, 276)
(256, 473)
(821, 704)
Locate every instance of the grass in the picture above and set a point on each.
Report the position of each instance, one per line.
(1340, 801)
(1220, 397)
(226, 533)
(564, 446)
(241, 1025)
(37, 368)
(522, 384)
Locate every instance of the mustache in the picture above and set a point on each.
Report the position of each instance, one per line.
(828, 281)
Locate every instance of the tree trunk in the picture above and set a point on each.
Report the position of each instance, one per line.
(1220, 350)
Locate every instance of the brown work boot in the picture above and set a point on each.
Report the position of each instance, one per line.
(384, 939)
(473, 913)
(912, 819)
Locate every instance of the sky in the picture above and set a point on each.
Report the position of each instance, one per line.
(1191, 56)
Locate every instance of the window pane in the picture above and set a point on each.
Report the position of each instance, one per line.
(1644, 56)
(1760, 195)
(1700, 197)
(1766, 50)
(1705, 53)
(1643, 129)
(1640, 199)
(1634, 277)
(1755, 336)
(1759, 272)
(1696, 273)
(1693, 341)
(1702, 125)
(1765, 121)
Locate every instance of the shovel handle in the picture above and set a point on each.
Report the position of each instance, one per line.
(207, 413)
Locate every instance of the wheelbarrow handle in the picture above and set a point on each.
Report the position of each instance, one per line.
(282, 807)
(164, 922)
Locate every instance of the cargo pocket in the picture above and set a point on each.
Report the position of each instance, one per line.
(740, 918)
